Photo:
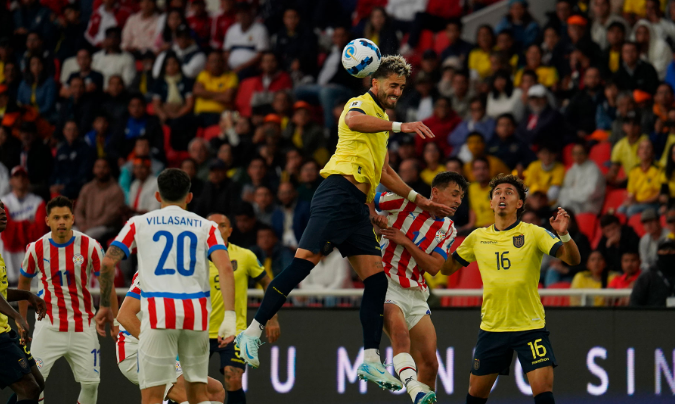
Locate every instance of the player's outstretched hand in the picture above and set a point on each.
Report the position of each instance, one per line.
(104, 316)
(419, 128)
(560, 221)
(39, 306)
(395, 235)
(272, 330)
(437, 209)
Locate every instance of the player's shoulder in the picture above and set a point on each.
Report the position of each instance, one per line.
(364, 102)
(242, 252)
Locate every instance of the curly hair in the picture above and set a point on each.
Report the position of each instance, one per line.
(517, 183)
(392, 64)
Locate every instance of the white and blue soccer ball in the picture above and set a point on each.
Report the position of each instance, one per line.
(361, 57)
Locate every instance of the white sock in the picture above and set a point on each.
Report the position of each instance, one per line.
(372, 355)
(42, 396)
(255, 329)
(405, 367)
(88, 392)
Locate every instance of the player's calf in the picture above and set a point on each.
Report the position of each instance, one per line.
(27, 389)
(232, 378)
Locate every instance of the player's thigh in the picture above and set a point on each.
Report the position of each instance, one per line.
(362, 247)
(541, 379)
(493, 354)
(193, 350)
(14, 364)
(396, 327)
(232, 377)
(536, 357)
(424, 345)
(129, 368)
(157, 357)
(480, 385)
(366, 265)
(47, 347)
(84, 356)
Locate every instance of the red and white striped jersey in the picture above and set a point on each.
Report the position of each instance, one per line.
(65, 271)
(127, 344)
(172, 246)
(429, 233)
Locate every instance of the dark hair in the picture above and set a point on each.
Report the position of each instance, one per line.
(479, 99)
(244, 209)
(191, 160)
(631, 251)
(457, 22)
(509, 116)
(517, 183)
(583, 144)
(266, 227)
(136, 95)
(170, 55)
(548, 148)
(59, 201)
(455, 159)
(166, 31)
(476, 134)
(28, 127)
(491, 30)
(242, 7)
(616, 24)
(608, 219)
(479, 159)
(634, 44)
(670, 164)
(463, 72)
(173, 184)
(530, 72)
(443, 179)
(508, 83)
(114, 30)
(392, 64)
(29, 78)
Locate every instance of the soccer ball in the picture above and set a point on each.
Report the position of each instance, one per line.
(361, 57)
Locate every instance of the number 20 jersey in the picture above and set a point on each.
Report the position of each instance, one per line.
(173, 246)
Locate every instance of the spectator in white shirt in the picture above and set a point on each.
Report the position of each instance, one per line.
(332, 272)
(504, 97)
(602, 19)
(141, 198)
(648, 244)
(142, 29)
(111, 60)
(193, 60)
(584, 184)
(245, 42)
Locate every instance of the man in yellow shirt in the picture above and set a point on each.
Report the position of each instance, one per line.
(340, 218)
(509, 255)
(17, 366)
(624, 153)
(245, 266)
(644, 182)
(481, 214)
(545, 175)
(214, 90)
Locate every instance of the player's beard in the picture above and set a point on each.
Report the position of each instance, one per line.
(383, 98)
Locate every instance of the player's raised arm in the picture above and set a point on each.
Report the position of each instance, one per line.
(364, 123)
(568, 252)
(431, 263)
(221, 260)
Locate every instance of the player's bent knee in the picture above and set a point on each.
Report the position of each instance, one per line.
(27, 388)
(400, 340)
(429, 365)
(215, 391)
(232, 377)
(308, 255)
(88, 392)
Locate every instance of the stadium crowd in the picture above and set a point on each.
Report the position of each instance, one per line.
(97, 97)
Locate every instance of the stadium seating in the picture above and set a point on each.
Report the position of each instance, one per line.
(567, 158)
(587, 224)
(613, 200)
(635, 222)
(601, 154)
(557, 301)
(174, 157)
(211, 132)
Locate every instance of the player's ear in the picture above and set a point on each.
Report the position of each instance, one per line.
(157, 197)
(189, 197)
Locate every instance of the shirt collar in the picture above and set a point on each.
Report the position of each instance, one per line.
(376, 100)
(513, 225)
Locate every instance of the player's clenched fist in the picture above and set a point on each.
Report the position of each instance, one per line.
(227, 329)
(419, 128)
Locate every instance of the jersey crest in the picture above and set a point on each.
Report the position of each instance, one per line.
(78, 259)
(234, 264)
(518, 241)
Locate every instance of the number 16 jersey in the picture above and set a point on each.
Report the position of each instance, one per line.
(173, 246)
(510, 264)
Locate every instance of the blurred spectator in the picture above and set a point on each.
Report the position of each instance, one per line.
(191, 57)
(663, 27)
(434, 18)
(667, 197)
(141, 149)
(649, 242)
(403, 12)
(545, 175)
(477, 148)
(198, 150)
(35, 47)
(306, 135)
(25, 222)
(532, 217)
(111, 60)
(481, 214)
(664, 103)
(291, 217)
(71, 35)
(579, 39)
(478, 59)
(270, 81)
(616, 239)
(652, 48)
(597, 276)
(93, 80)
(31, 16)
(631, 271)
(558, 19)
(100, 203)
(538, 203)
(189, 166)
(264, 207)
(611, 57)
(141, 29)
(633, 10)
(141, 198)
(584, 184)
(79, 107)
(656, 285)
(245, 41)
(379, 30)
(506, 147)
(73, 163)
(257, 176)
(296, 46)
(12, 79)
(559, 271)
(110, 14)
(417, 105)
(634, 73)
(606, 110)
(478, 122)
(38, 90)
(518, 20)
(4, 180)
(431, 157)
(225, 155)
(332, 272)
(602, 18)
(10, 148)
(214, 90)
(200, 22)
(36, 158)
(246, 226)
(270, 252)
(457, 48)
(137, 123)
(292, 166)
(144, 81)
(219, 192)
(584, 101)
(309, 180)
(173, 19)
(441, 122)
(223, 19)
(115, 99)
(543, 124)
(644, 182)
(99, 138)
(503, 97)
(552, 53)
(625, 106)
(409, 171)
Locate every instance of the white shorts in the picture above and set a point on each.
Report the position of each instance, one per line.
(130, 369)
(412, 302)
(157, 355)
(81, 350)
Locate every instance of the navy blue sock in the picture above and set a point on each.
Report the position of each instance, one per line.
(371, 309)
(472, 400)
(236, 396)
(12, 399)
(280, 286)
(545, 397)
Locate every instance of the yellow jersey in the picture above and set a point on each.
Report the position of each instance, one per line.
(226, 81)
(537, 179)
(625, 154)
(361, 155)
(547, 76)
(4, 320)
(510, 264)
(645, 185)
(478, 197)
(245, 266)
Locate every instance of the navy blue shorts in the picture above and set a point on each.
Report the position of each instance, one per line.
(15, 359)
(339, 218)
(494, 351)
(229, 355)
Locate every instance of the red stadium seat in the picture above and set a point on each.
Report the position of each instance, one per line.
(664, 221)
(211, 132)
(587, 224)
(453, 279)
(244, 97)
(557, 301)
(601, 154)
(635, 222)
(567, 158)
(614, 199)
(441, 42)
(174, 158)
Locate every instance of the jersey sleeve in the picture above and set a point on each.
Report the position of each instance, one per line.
(135, 290)
(29, 267)
(96, 257)
(214, 240)
(388, 201)
(356, 105)
(254, 268)
(465, 253)
(548, 242)
(126, 240)
(444, 246)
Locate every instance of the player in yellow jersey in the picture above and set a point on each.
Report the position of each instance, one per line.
(509, 254)
(340, 218)
(17, 366)
(245, 266)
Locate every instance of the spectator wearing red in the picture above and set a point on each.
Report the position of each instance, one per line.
(25, 221)
(221, 22)
(109, 14)
(141, 29)
(443, 121)
(200, 22)
(264, 86)
(435, 18)
(631, 271)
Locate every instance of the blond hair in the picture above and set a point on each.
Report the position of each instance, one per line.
(392, 64)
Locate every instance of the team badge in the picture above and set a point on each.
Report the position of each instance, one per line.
(38, 362)
(476, 364)
(518, 241)
(78, 259)
(439, 235)
(23, 363)
(234, 264)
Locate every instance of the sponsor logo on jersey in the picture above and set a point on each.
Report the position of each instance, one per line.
(488, 242)
(518, 241)
(78, 259)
